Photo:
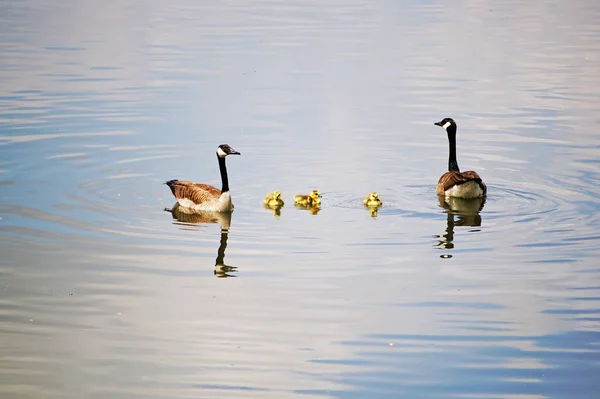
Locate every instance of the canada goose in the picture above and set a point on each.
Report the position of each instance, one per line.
(372, 200)
(455, 183)
(274, 200)
(313, 199)
(203, 197)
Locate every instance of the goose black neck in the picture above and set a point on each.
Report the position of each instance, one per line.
(452, 163)
(224, 178)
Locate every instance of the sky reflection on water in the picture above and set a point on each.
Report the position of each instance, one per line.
(104, 294)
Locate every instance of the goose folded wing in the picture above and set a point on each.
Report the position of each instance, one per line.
(474, 176)
(195, 192)
(452, 178)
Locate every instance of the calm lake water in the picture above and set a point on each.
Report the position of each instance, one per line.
(103, 294)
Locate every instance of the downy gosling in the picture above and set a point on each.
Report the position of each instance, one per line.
(274, 200)
(313, 199)
(372, 200)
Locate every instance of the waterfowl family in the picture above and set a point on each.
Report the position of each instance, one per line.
(273, 200)
(203, 197)
(372, 200)
(197, 197)
(312, 199)
(455, 183)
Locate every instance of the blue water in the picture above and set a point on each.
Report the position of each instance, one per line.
(103, 294)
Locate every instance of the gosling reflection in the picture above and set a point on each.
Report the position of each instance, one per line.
(275, 208)
(459, 212)
(373, 211)
(187, 216)
(314, 210)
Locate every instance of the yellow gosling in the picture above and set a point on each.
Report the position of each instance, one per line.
(372, 200)
(313, 199)
(274, 200)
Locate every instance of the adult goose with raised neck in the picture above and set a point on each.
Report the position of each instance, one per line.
(204, 197)
(455, 183)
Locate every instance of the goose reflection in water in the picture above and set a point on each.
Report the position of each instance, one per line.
(221, 269)
(186, 216)
(459, 212)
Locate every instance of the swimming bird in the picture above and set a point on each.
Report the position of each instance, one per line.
(312, 199)
(455, 183)
(203, 197)
(372, 200)
(274, 200)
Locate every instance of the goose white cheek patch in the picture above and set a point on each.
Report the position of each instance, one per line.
(221, 153)
(445, 125)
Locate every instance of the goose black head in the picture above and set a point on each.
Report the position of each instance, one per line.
(225, 149)
(447, 123)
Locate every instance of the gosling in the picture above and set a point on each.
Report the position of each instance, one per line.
(274, 200)
(372, 200)
(313, 199)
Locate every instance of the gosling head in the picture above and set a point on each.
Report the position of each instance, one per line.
(225, 149)
(448, 124)
(276, 194)
(372, 199)
(314, 194)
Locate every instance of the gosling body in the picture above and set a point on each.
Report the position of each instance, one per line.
(313, 199)
(274, 199)
(372, 200)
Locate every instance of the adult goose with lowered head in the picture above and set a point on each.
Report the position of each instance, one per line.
(203, 197)
(455, 183)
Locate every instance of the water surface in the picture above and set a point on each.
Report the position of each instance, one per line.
(103, 294)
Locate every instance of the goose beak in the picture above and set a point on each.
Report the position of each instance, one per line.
(438, 123)
(235, 153)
